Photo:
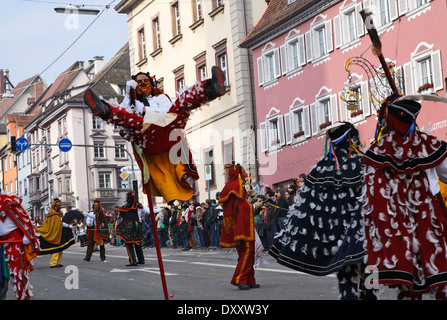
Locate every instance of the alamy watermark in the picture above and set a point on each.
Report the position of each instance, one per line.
(72, 280)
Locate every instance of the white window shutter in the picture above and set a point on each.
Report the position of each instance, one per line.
(334, 108)
(281, 135)
(365, 99)
(306, 120)
(408, 78)
(403, 7)
(276, 59)
(260, 71)
(309, 46)
(359, 20)
(338, 32)
(329, 37)
(284, 62)
(393, 10)
(264, 136)
(288, 127)
(438, 81)
(314, 118)
(301, 51)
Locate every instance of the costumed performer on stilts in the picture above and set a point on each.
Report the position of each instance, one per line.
(130, 228)
(324, 231)
(97, 231)
(155, 126)
(18, 246)
(238, 226)
(405, 220)
(54, 235)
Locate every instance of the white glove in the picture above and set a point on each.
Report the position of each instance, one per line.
(25, 240)
(131, 84)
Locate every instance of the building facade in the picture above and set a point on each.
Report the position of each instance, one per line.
(179, 42)
(301, 71)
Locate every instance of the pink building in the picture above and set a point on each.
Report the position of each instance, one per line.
(299, 51)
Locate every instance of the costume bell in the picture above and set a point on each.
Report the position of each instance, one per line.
(155, 126)
(97, 231)
(19, 248)
(405, 224)
(54, 235)
(238, 226)
(130, 229)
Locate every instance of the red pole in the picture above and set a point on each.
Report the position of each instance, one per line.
(157, 244)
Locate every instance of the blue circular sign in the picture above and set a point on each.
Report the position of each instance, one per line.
(65, 145)
(22, 144)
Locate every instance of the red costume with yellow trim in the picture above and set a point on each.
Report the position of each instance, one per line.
(238, 226)
(21, 244)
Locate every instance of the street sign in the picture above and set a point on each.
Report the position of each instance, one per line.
(208, 175)
(124, 175)
(22, 144)
(65, 145)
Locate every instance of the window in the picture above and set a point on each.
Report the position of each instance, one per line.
(426, 71)
(293, 55)
(97, 123)
(413, 8)
(176, 28)
(221, 58)
(197, 10)
(156, 33)
(200, 60)
(423, 74)
(67, 185)
(105, 181)
(179, 78)
(324, 111)
(386, 12)
(297, 122)
(98, 150)
(319, 40)
(272, 131)
(141, 44)
(269, 67)
(120, 153)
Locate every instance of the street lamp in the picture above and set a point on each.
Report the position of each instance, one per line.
(71, 9)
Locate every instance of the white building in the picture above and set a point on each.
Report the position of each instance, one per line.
(92, 168)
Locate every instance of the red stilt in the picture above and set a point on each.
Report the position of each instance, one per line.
(157, 244)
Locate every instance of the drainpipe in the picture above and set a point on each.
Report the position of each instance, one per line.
(252, 100)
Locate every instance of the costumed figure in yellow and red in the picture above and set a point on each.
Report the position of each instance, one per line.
(238, 226)
(130, 228)
(405, 223)
(155, 126)
(54, 235)
(97, 231)
(19, 245)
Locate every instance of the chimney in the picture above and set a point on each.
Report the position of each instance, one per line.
(99, 63)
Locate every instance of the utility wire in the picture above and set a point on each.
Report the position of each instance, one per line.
(76, 40)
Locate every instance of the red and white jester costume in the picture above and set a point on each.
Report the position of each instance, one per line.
(405, 223)
(21, 245)
(155, 126)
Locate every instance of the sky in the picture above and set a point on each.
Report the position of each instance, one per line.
(33, 36)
